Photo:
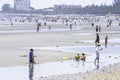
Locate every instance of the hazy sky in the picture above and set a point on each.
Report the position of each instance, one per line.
(37, 4)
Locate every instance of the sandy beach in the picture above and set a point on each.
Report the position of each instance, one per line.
(16, 40)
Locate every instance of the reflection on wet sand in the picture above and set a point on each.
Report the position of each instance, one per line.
(31, 72)
(80, 64)
(97, 66)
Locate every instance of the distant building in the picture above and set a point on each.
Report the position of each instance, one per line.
(49, 10)
(22, 5)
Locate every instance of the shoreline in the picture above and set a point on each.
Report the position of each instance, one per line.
(106, 73)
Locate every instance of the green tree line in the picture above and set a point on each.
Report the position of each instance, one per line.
(93, 9)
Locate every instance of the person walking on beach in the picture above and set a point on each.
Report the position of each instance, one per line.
(49, 27)
(97, 41)
(98, 49)
(106, 41)
(119, 24)
(38, 26)
(92, 24)
(71, 26)
(31, 57)
(97, 28)
(66, 22)
(45, 23)
(75, 23)
(11, 24)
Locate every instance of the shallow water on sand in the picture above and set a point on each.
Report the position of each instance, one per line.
(109, 55)
(42, 70)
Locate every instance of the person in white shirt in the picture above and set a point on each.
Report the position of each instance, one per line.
(98, 49)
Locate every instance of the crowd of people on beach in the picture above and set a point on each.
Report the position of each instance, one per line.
(67, 20)
(73, 21)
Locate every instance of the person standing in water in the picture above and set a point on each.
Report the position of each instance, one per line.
(38, 26)
(31, 58)
(98, 49)
(71, 26)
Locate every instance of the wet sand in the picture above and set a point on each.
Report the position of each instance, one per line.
(14, 47)
(110, 72)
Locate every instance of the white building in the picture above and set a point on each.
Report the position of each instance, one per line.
(22, 5)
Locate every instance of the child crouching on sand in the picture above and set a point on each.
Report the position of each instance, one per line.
(83, 57)
(77, 57)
